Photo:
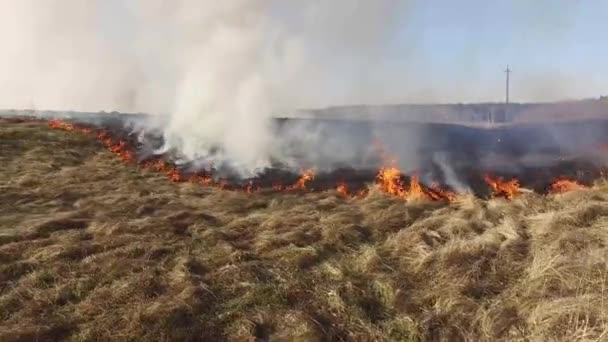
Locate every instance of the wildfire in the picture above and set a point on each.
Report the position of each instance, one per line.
(389, 178)
(120, 148)
(565, 185)
(174, 175)
(437, 193)
(342, 189)
(501, 188)
(416, 192)
(157, 165)
(122, 151)
(300, 184)
(390, 181)
(177, 176)
(58, 124)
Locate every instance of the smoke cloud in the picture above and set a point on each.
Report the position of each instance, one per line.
(216, 72)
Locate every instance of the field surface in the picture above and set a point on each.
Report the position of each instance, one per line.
(94, 249)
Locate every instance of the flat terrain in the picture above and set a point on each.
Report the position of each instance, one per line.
(93, 249)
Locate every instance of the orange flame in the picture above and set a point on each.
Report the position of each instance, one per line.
(125, 153)
(342, 189)
(565, 185)
(437, 193)
(416, 192)
(119, 148)
(501, 188)
(389, 178)
(58, 124)
(390, 181)
(300, 184)
(122, 151)
(156, 165)
(174, 175)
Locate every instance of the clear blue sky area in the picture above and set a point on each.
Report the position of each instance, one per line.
(545, 42)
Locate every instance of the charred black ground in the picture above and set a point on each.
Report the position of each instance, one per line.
(535, 154)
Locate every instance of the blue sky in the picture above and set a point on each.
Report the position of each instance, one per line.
(471, 42)
(456, 51)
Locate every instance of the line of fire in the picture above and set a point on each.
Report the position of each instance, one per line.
(565, 174)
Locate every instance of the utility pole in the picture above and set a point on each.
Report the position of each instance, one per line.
(508, 72)
(506, 112)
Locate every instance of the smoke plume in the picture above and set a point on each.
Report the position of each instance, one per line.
(217, 69)
(216, 72)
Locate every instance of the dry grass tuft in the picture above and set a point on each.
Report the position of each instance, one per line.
(91, 249)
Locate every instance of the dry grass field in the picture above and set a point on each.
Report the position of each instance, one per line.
(93, 249)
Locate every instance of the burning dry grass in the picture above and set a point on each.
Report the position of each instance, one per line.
(93, 249)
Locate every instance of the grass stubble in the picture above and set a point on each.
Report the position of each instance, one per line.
(93, 249)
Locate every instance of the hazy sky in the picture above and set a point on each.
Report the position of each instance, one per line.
(555, 47)
(219, 70)
(94, 54)
(456, 51)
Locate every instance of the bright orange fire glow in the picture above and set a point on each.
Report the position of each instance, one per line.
(416, 192)
(565, 185)
(174, 175)
(437, 193)
(342, 189)
(156, 165)
(300, 184)
(57, 124)
(501, 188)
(120, 148)
(390, 181)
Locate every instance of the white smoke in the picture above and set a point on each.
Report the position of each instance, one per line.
(449, 174)
(218, 69)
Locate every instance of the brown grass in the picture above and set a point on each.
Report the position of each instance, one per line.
(92, 249)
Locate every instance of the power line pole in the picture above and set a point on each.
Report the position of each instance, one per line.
(506, 111)
(508, 72)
